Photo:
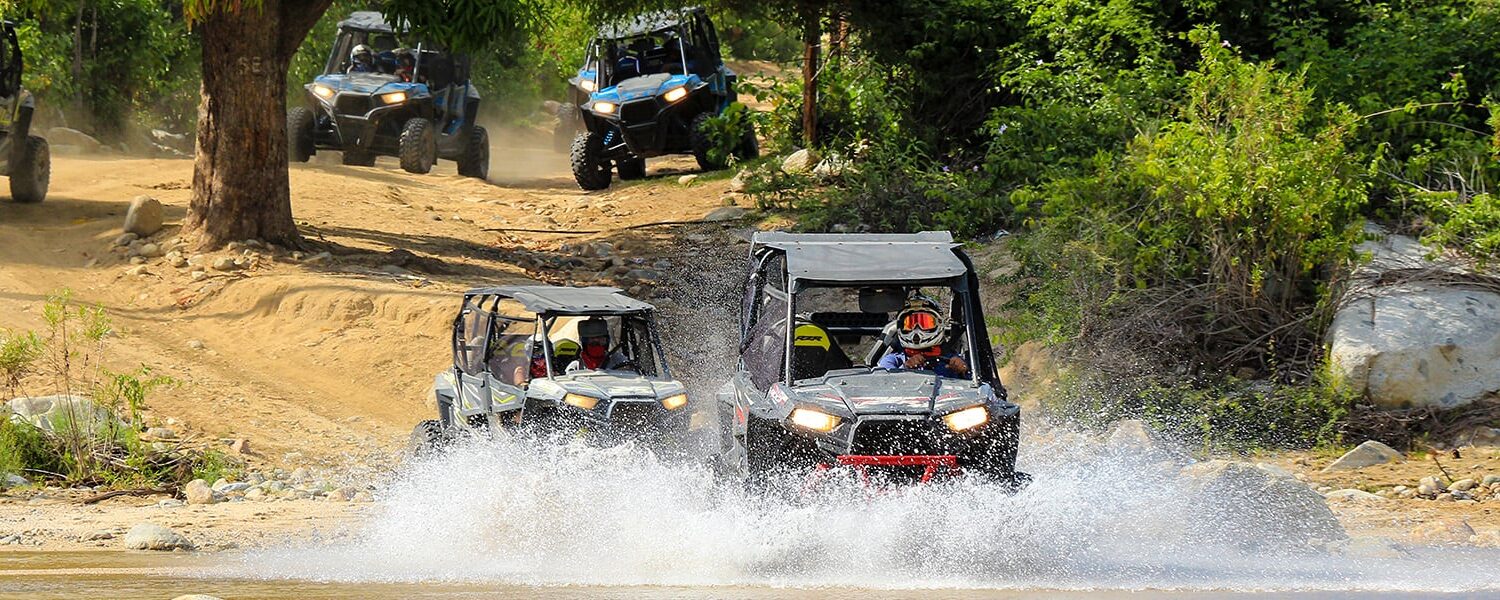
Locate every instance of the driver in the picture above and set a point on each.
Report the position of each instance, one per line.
(921, 330)
(594, 355)
(362, 60)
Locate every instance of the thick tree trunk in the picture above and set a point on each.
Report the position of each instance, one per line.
(811, 36)
(240, 185)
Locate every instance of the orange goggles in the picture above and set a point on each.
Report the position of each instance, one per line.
(919, 321)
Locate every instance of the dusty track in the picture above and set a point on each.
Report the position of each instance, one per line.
(325, 359)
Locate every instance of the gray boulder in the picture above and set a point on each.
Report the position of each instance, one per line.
(63, 136)
(60, 411)
(1256, 506)
(801, 161)
(725, 213)
(144, 216)
(150, 536)
(1367, 454)
(1416, 345)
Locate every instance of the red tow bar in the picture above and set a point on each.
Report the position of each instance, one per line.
(859, 462)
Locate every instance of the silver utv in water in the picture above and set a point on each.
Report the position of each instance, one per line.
(522, 360)
(816, 319)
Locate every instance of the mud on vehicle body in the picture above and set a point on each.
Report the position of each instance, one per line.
(419, 117)
(815, 320)
(512, 349)
(656, 80)
(24, 158)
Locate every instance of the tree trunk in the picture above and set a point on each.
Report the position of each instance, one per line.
(78, 57)
(811, 35)
(240, 185)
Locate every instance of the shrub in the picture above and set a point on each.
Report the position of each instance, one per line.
(726, 129)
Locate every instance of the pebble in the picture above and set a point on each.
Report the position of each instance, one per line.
(125, 239)
(161, 433)
(1430, 486)
(1444, 497)
(198, 492)
(150, 250)
(319, 257)
(198, 276)
(687, 179)
(195, 344)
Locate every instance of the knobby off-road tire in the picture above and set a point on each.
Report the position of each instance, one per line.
(590, 169)
(299, 134)
(32, 173)
(475, 161)
(359, 158)
(418, 146)
(631, 168)
(698, 139)
(749, 148)
(427, 437)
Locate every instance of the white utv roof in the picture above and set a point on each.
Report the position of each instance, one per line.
(850, 258)
(564, 300)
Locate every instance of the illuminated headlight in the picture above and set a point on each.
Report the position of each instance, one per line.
(967, 418)
(675, 94)
(588, 85)
(814, 420)
(674, 402)
(581, 401)
(604, 108)
(322, 91)
(393, 97)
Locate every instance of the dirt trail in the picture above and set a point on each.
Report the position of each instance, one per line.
(325, 358)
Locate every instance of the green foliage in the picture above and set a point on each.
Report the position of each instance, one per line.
(19, 352)
(1472, 223)
(26, 450)
(726, 130)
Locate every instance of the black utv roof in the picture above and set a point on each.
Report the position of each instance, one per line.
(366, 20)
(851, 258)
(646, 23)
(567, 300)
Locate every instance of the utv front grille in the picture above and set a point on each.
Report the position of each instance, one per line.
(899, 436)
(638, 111)
(352, 104)
(632, 415)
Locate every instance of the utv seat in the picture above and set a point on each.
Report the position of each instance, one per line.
(815, 352)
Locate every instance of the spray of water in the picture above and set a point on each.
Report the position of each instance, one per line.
(511, 511)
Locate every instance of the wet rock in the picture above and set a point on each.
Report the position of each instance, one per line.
(198, 492)
(150, 536)
(725, 213)
(144, 216)
(125, 239)
(1367, 454)
(1445, 531)
(687, 179)
(801, 161)
(1462, 485)
(1260, 507)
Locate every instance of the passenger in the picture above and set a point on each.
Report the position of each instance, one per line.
(593, 335)
(921, 329)
(406, 65)
(362, 60)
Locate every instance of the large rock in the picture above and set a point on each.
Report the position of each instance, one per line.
(801, 161)
(1135, 438)
(63, 136)
(1259, 506)
(150, 536)
(1445, 531)
(1367, 454)
(61, 411)
(144, 216)
(1416, 345)
(726, 213)
(198, 492)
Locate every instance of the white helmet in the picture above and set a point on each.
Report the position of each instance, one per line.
(364, 50)
(920, 325)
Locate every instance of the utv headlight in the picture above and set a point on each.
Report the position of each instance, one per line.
(675, 94)
(674, 402)
(322, 91)
(393, 97)
(588, 85)
(604, 108)
(581, 401)
(967, 418)
(814, 420)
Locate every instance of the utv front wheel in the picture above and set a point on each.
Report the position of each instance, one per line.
(427, 437)
(590, 168)
(359, 158)
(299, 134)
(30, 176)
(749, 148)
(418, 146)
(475, 161)
(702, 144)
(631, 168)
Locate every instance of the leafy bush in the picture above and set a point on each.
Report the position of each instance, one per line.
(1472, 223)
(726, 129)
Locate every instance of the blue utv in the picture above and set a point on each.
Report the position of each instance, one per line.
(659, 78)
(379, 98)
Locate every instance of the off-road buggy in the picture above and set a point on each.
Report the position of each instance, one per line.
(521, 361)
(24, 158)
(580, 87)
(417, 113)
(817, 317)
(658, 79)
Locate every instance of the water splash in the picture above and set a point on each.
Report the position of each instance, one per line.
(518, 513)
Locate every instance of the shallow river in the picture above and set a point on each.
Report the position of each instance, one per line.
(507, 520)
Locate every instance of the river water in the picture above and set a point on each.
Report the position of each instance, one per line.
(510, 519)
